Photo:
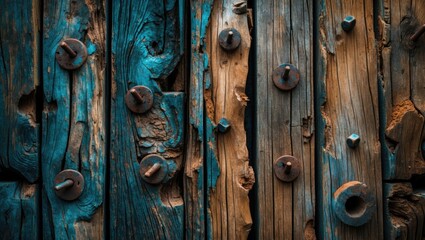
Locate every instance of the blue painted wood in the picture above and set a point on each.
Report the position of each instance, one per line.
(73, 132)
(19, 77)
(19, 211)
(146, 48)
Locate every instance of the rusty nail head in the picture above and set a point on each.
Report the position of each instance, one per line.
(223, 125)
(139, 99)
(286, 77)
(229, 39)
(287, 168)
(418, 34)
(71, 54)
(153, 169)
(69, 184)
(353, 140)
(348, 23)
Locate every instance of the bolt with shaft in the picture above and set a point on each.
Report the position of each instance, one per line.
(139, 98)
(68, 49)
(285, 75)
(155, 168)
(288, 167)
(229, 38)
(65, 184)
(418, 33)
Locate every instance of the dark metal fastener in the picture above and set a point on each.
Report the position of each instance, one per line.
(229, 39)
(223, 125)
(348, 23)
(139, 99)
(71, 54)
(287, 168)
(286, 77)
(418, 34)
(153, 169)
(353, 140)
(353, 203)
(69, 184)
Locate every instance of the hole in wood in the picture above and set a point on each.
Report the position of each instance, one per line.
(355, 206)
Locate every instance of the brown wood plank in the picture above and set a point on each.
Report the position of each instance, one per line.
(225, 98)
(285, 119)
(348, 95)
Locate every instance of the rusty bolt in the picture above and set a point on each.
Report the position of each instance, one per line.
(69, 184)
(153, 169)
(418, 34)
(71, 54)
(287, 168)
(65, 184)
(348, 23)
(286, 77)
(229, 39)
(353, 140)
(223, 125)
(139, 99)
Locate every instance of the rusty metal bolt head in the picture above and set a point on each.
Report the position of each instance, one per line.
(223, 125)
(286, 77)
(353, 203)
(69, 184)
(353, 140)
(139, 99)
(153, 169)
(287, 168)
(348, 23)
(71, 54)
(229, 39)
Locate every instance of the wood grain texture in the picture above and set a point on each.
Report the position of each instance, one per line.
(404, 212)
(146, 48)
(347, 87)
(196, 223)
(73, 133)
(402, 87)
(227, 155)
(19, 78)
(19, 211)
(285, 119)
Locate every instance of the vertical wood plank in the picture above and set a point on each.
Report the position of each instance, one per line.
(348, 100)
(227, 154)
(146, 50)
(195, 176)
(19, 210)
(73, 119)
(19, 73)
(285, 119)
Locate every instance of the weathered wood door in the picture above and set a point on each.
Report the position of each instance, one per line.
(203, 119)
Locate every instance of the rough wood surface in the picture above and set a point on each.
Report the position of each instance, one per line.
(19, 211)
(146, 48)
(19, 78)
(347, 95)
(73, 134)
(195, 170)
(403, 87)
(227, 155)
(404, 212)
(284, 120)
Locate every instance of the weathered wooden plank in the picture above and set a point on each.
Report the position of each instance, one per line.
(146, 48)
(402, 88)
(19, 78)
(347, 97)
(230, 176)
(196, 221)
(284, 119)
(19, 210)
(73, 119)
(404, 212)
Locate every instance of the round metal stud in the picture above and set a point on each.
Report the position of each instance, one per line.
(353, 203)
(71, 54)
(69, 184)
(229, 39)
(287, 168)
(153, 169)
(139, 99)
(286, 77)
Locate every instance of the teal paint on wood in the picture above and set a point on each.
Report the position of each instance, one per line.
(146, 48)
(19, 73)
(19, 210)
(73, 119)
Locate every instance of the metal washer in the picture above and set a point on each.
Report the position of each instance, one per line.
(135, 106)
(279, 168)
(73, 192)
(236, 40)
(147, 162)
(68, 62)
(291, 82)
